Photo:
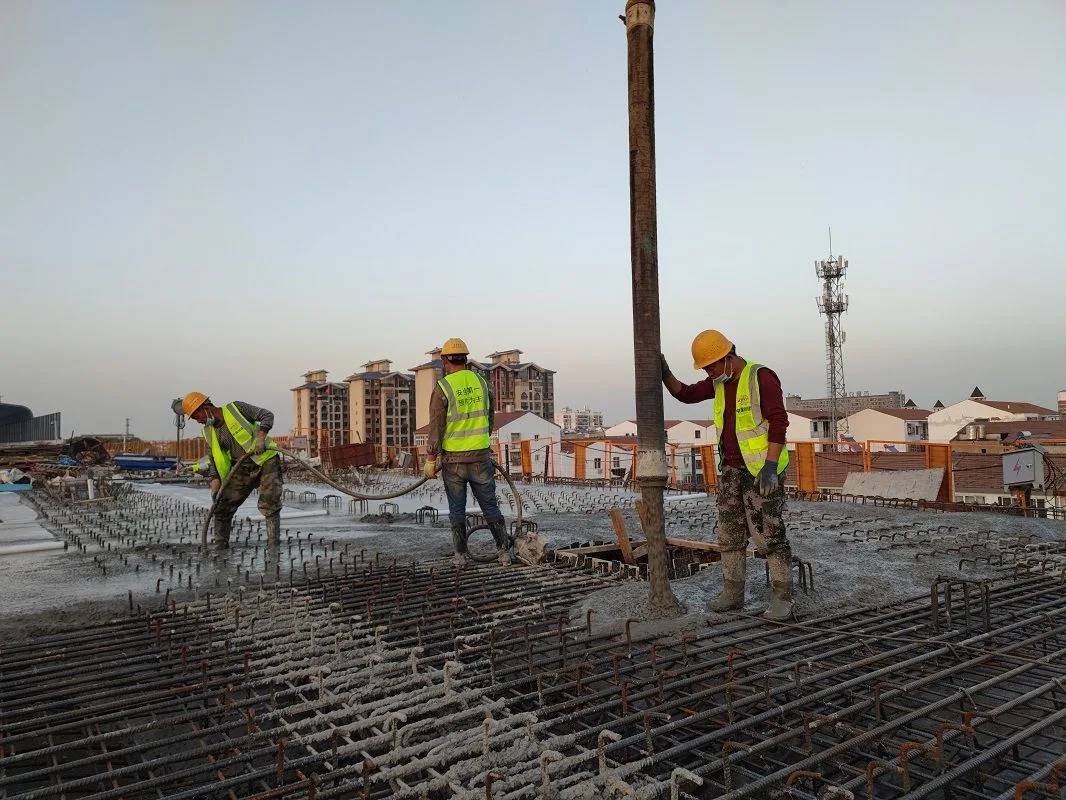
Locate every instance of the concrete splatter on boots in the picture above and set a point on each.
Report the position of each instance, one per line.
(781, 607)
(460, 559)
(222, 531)
(734, 571)
(273, 529)
(503, 541)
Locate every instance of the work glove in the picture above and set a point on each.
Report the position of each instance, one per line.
(767, 482)
(260, 445)
(664, 367)
(430, 469)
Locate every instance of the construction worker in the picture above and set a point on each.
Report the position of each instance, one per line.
(243, 456)
(750, 418)
(459, 446)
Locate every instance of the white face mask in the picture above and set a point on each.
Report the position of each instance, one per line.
(725, 377)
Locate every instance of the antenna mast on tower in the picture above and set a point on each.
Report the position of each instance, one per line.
(833, 302)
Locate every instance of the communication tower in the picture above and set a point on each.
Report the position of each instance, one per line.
(833, 302)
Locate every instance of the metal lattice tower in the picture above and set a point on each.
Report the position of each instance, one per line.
(833, 302)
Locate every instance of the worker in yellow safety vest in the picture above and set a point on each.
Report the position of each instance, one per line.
(242, 458)
(750, 420)
(460, 448)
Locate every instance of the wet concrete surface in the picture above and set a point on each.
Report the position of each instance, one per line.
(19, 529)
(860, 555)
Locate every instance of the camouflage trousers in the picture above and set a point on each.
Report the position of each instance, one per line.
(742, 510)
(246, 477)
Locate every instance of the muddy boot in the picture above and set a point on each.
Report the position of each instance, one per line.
(780, 564)
(273, 526)
(222, 531)
(503, 541)
(734, 571)
(460, 559)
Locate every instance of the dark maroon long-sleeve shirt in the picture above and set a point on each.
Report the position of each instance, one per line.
(771, 401)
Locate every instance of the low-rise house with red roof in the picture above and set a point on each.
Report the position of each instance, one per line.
(945, 424)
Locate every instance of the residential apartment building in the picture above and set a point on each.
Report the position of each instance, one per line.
(579, 420)
(382, 405)
(520, 385)
(847, 405)
(320, 412)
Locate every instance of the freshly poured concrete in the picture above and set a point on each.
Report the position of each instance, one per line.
(19, 530)
(45, 591)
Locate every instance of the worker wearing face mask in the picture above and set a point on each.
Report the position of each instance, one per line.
(243, 456)
(750, 419)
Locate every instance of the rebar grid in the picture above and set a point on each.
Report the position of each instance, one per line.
(368, 677)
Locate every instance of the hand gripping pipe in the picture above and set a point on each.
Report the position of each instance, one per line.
(357, 495)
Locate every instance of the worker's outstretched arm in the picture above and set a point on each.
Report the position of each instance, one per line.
(685, 392)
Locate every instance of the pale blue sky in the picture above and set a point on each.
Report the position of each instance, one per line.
(222, 195)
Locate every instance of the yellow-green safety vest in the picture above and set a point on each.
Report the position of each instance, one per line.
(243, 432)
(752, 428)
(466, 427)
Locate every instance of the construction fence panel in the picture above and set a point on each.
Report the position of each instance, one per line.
(46, 428)
(187, 450)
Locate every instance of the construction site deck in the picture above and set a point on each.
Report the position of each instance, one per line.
(355, 661)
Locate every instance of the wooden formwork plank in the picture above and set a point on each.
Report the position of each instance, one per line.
(619, 523)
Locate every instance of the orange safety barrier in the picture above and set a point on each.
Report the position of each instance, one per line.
(939, 456)
(806, 467)
(709, 465)
(579, 460)
(527, 457)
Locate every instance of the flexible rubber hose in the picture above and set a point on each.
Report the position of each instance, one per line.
(358, 496)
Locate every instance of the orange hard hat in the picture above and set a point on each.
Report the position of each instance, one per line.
(191, 402)
(455, 347)
(708, 347)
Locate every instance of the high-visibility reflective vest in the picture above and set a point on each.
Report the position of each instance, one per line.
(467, 424)
(751, 427)
(243, 432)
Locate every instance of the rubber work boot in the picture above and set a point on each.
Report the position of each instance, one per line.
(273, 526)
(460, 559)
(222, 532)
(780, 564)
(503, 541)
(734, 571)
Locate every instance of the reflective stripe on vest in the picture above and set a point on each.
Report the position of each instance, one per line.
(243, 432)
(752, 429)
(466, 427)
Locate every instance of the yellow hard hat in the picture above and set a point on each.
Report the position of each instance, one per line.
(191, 402)
(455, 347)
(708, 347)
